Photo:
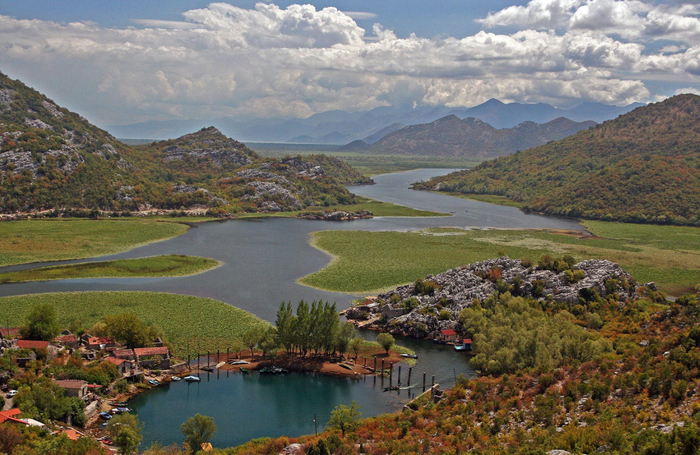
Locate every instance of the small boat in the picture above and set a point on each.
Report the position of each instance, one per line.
(238, 362)
(265, 370)
(209, 369)
(244, 370)
(347, 367)
(192, 378)
(105, 415)
(409, 356)
(154, 382)
(117, 404)
(460, 347)
(394, 387)
(176, 378)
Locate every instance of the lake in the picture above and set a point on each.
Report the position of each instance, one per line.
(262, 259)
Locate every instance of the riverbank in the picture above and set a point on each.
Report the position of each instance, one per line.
(369, 262)
(148, 267)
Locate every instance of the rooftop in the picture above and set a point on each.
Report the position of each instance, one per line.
(142, 352)
(32, 344)
(70, 383)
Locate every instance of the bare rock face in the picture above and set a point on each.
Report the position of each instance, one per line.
(457, 289)
(6, 95)
(52, 108)
(271, 190)
(298, 167)
(338, 215)
(257, 174)
(188, 189)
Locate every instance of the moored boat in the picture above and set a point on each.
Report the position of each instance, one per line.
(191, 378)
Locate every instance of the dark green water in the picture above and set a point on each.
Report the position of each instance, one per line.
(253, 405)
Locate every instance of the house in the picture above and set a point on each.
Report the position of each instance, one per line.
(9, 333)
(100, 343)
(390, 312)
(10, 416)
(73, 387)
(153, 358)
(69, 341)
(124, 367)
(126, 354)
(448, 336)
(467, 343)
(72, 434)
(32, 344)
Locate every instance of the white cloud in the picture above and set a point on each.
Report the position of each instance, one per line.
(360, 15)
(693, 90)
(224, 60)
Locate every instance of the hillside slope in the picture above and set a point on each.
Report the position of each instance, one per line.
(54, 159)
(472, 138)
(641, 167)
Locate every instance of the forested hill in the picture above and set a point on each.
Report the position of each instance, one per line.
(469, 138)
(643, 166)
(54, 159)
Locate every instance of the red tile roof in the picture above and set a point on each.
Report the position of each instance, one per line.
(10, 415)
(115, 361)
(9, 332)
(32, 344)
(123, 353)
(100, 340)
(72, 434)
(66, 339)
(142, 352)
(467, 341)
(448, 332)
(70, 383)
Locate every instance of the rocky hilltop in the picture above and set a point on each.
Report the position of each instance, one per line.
(54, 161)
(424, 308)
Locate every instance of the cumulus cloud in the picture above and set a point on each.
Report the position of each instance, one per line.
(268, 61)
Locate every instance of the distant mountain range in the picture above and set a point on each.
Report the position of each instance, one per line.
(341, 127)
(469, 138)
(52, 159)
(642, 167)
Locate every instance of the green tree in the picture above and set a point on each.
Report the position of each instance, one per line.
(386, 341)
(344, 334)
(345, 418)
(251, 338)
(127, 328)
(285, 326)
(42, 323)
(198, 430)
(356, 345)
(268, 341)
(125, 431)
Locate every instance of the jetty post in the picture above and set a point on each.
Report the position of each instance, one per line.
(382, 366)
(227, 353)
(208, 359)
(424, 381)
(410, 369)
(218, 356)
(432, 382)
(399, 379)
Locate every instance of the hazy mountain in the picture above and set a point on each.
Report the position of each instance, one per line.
(470, 138)
(641, 167)
(345, 126)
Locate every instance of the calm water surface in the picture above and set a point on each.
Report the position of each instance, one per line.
(262, 259)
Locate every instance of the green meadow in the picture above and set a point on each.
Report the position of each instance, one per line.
(154, 266)
(202, 324)
(62, 239)
(371, 261)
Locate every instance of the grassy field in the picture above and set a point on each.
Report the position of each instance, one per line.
(368, 261)
(61, 239)
(204, 324)
(154, 266)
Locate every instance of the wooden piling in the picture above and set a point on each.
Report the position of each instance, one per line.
(398, 380)
(410, 369)
(432, 381)
(424, 381)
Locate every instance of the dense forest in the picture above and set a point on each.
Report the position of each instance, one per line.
(642, 167)
(52, 159)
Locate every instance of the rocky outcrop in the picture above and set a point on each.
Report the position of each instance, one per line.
(336, 216)
(209, 144)
(437, 300)
(271, 190)
(188, 189)
(297, 167)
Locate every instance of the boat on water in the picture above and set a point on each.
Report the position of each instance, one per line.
(238, 362)
(347, 367)
(154, 382)
(208, 368)
(118, 404)
(409, 356)
(191, 378)
(176, 378)
(244, 370)
(389, 389)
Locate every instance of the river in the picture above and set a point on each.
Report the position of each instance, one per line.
(262, 259)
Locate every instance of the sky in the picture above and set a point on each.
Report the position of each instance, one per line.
(132, 61)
